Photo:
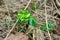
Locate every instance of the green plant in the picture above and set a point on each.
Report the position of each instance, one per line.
(32, 21)
(26, 16)
(7, 24)
(35, 6)
(1, 1)
(23, 15)
(50, 26)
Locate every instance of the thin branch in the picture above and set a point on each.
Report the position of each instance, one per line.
(47, 21)
(27, 5)
(33, 34)
(16, 21)
(10, 30)
(57, 1)
(56, 7)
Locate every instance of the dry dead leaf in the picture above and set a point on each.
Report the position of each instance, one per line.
(18, 36)
(21, 36)
(11, 37)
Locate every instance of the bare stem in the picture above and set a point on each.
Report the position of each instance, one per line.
(10, 30)
(47, 21)
(16, 21)
(27, 5)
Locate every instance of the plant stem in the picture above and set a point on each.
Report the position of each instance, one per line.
(47, 21)
(11, 30)
(27, 5)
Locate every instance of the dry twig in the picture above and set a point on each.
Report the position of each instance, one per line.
(16, 22)
(47, 20)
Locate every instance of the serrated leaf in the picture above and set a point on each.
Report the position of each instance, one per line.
(32, 21)
(50, 26)
(23, 15)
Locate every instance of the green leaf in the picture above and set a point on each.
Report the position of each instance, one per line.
(26, 17)
(7, 24)
(23, 15)
(1, 1)
(50, 26)
(35, 6)
(33, 21)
